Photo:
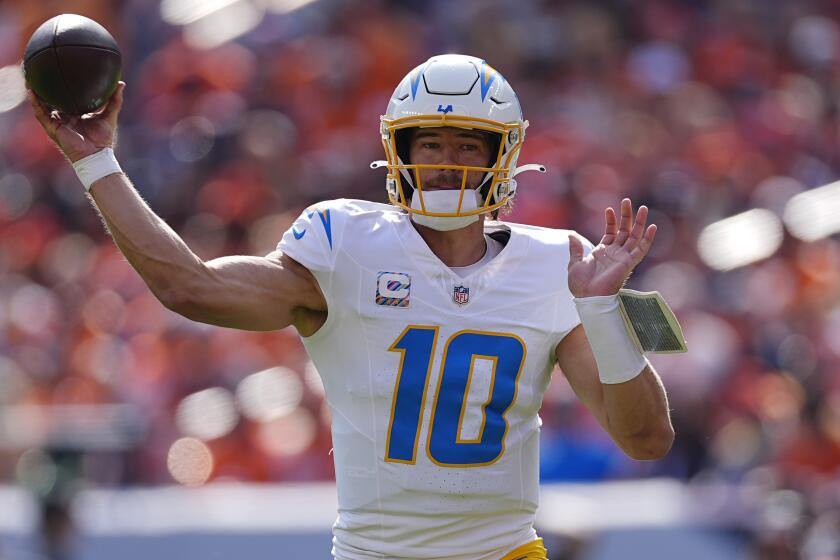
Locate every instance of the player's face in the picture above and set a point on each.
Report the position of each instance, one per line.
(449, 146)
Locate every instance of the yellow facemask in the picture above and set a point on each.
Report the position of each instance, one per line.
(496, 188)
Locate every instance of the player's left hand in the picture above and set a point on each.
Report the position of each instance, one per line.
(605, 270)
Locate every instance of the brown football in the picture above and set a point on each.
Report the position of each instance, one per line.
(72, 64)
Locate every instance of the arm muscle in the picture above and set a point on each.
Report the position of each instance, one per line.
(253, 293)
(634, 413)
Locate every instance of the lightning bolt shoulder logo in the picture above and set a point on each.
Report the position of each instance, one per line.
(324, 215)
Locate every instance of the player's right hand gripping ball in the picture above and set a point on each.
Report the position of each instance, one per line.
(72, 64)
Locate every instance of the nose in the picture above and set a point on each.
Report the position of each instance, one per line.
(449, 155)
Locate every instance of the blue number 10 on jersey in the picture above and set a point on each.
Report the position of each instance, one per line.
(445, 447)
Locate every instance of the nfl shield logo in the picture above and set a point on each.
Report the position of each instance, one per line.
(461, 295)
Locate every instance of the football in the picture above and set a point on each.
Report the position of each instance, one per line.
(72, 64)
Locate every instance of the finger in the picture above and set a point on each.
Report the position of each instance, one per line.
(114, 105)
(51, 119)
(42, 113)
(638, 229)
(626, 221)
(575, 250)
(611, 227)
(639, 252)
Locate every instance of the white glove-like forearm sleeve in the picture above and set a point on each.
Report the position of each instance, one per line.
(615, 353)
(95, 166)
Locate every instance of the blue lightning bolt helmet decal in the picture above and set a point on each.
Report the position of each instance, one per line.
(488, 76)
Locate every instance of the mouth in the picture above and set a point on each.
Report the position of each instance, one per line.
(441, 188)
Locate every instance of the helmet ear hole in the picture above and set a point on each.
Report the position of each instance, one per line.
(391, 187)
(504, 189)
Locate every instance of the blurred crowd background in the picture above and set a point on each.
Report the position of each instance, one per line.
(240, 113)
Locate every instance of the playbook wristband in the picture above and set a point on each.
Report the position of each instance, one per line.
(96, 166)
(615, 353)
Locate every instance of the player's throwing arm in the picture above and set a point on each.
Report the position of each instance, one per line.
(254, 293)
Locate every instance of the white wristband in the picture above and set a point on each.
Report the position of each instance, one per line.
(95, 166)
(615, 353)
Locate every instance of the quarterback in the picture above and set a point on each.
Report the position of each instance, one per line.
(434, 325)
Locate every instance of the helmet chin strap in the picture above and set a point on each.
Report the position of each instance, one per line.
(445, 201)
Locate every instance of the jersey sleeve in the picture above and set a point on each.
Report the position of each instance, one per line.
(313, 238)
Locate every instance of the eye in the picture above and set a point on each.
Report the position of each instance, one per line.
(469, 147)
(430, 145)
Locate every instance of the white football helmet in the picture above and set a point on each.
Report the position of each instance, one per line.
(454, 90)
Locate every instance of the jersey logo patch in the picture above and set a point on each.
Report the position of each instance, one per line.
(298, 234)
(461, 295)
(393, 289)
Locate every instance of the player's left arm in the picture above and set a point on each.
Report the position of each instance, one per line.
(603, 366)
(635, 413)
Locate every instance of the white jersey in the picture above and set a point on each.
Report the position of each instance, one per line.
(434, 381)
